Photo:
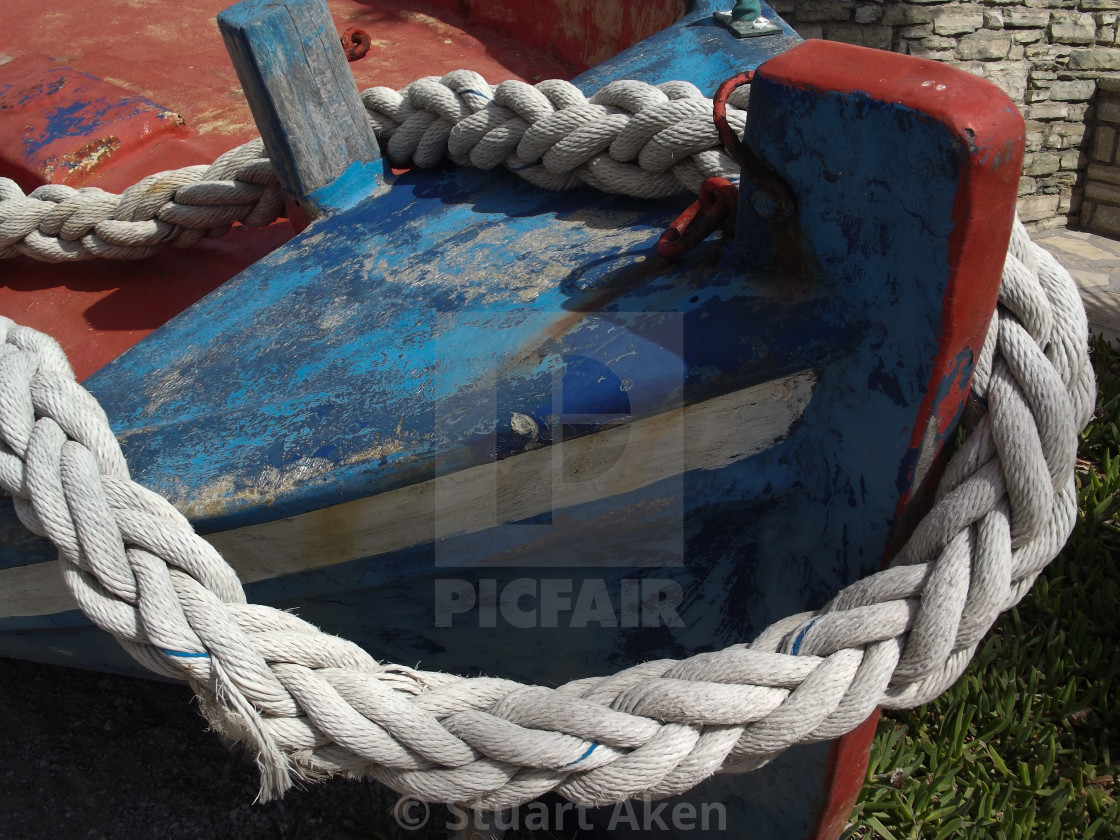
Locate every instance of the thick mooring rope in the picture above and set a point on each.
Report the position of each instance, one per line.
(56, 223)
(630, 138)
(312, 704)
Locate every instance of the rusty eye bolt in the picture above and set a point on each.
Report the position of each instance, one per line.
(355, 42)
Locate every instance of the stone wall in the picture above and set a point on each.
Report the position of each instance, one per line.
(1047, 55)
(1100, 206)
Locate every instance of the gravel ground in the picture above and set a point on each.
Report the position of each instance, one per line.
(93, 756)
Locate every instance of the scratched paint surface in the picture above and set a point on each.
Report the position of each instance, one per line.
(63, 126)
(357, 287)
(453, 299)
(172, 54)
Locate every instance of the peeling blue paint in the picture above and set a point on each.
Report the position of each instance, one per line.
(79, 119)
(880, 379)
(393, 342)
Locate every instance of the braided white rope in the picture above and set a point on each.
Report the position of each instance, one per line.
(630, 138)
(312, 704)
(56, 223)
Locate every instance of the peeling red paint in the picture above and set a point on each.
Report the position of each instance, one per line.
(60, 125)
(186, 108)
(989, 131)
(89, 157)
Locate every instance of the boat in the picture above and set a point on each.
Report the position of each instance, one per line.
(470, 423)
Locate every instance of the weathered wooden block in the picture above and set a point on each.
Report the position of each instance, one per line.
(303, 98)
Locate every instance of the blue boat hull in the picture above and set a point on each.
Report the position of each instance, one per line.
(484, 429)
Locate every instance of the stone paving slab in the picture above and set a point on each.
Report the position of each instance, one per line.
(1094, 262)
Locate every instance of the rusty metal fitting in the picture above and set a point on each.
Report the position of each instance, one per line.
(355, 42)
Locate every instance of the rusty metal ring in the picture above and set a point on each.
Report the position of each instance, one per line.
(355, 42)
(715, 208)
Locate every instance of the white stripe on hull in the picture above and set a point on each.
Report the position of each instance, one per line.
(705, 436)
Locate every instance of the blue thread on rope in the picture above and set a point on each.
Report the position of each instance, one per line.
(590, 750)
(801, 637)
(184, 654)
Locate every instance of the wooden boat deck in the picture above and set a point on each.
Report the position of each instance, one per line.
(170, 59)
